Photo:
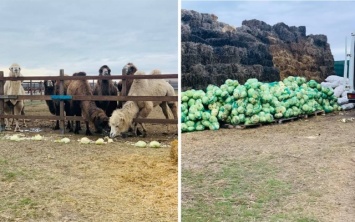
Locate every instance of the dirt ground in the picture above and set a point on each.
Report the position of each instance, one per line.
(48, 181)
(315, 156)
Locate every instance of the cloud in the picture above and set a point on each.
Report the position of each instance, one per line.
(32, 72)
(82, 35)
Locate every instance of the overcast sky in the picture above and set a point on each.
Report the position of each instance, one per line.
(334, 19)
(82, 35)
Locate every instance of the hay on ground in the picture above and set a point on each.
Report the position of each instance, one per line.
(174, 154)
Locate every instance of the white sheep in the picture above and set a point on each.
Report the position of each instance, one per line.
(121, 119)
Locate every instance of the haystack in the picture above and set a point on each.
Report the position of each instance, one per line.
(174, 154)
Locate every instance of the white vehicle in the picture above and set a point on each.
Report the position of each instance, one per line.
(350, 74)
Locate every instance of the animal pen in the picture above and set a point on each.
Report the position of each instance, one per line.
(61, 97)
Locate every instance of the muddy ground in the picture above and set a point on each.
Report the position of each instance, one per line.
(48, 181)
(315, 157)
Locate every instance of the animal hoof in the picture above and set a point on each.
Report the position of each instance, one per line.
(88, 133)
(76, 132)
(139, 133)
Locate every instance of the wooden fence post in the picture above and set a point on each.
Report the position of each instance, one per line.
(124, 87)
(61, 102)
(2, 123)
(40, 87)
(31, 90)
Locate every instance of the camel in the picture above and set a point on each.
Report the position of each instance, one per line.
(87, 109)
(14, 106)
(128, 69)
(121, 119)
(106, 88)
(51, 87)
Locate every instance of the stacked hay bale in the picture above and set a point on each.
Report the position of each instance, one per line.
(252, 103)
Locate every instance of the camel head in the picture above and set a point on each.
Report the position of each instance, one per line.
(49, 83)
(15, 70)
(104, 71)
(129, 69)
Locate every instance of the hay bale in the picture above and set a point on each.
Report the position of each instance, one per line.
(211, 55)
(174, 154)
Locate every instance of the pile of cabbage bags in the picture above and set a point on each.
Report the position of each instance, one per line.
(252, 103)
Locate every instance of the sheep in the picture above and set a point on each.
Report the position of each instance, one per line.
(87, 109)
(128, 69)
(121, 119)
(106, 88)
(14, 106)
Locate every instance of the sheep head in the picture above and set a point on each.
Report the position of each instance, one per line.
(118, 123)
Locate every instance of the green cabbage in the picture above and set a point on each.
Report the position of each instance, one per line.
(252, 103)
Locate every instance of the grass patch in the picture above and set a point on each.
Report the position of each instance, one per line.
(21, 207)
(9, 176)
(8, 173)
(17, 200)
(33, 102)
(3, 162)
(306, 219)
(240, 191)
(27, 202)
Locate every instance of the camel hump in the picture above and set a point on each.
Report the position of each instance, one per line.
(156, 72)
(79, 74)
(139, 72)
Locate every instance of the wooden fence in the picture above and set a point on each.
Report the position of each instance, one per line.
(37, 87)
(61, 78)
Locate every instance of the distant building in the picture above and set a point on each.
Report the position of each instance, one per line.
(339, 67)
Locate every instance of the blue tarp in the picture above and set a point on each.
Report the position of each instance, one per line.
(61, 97)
